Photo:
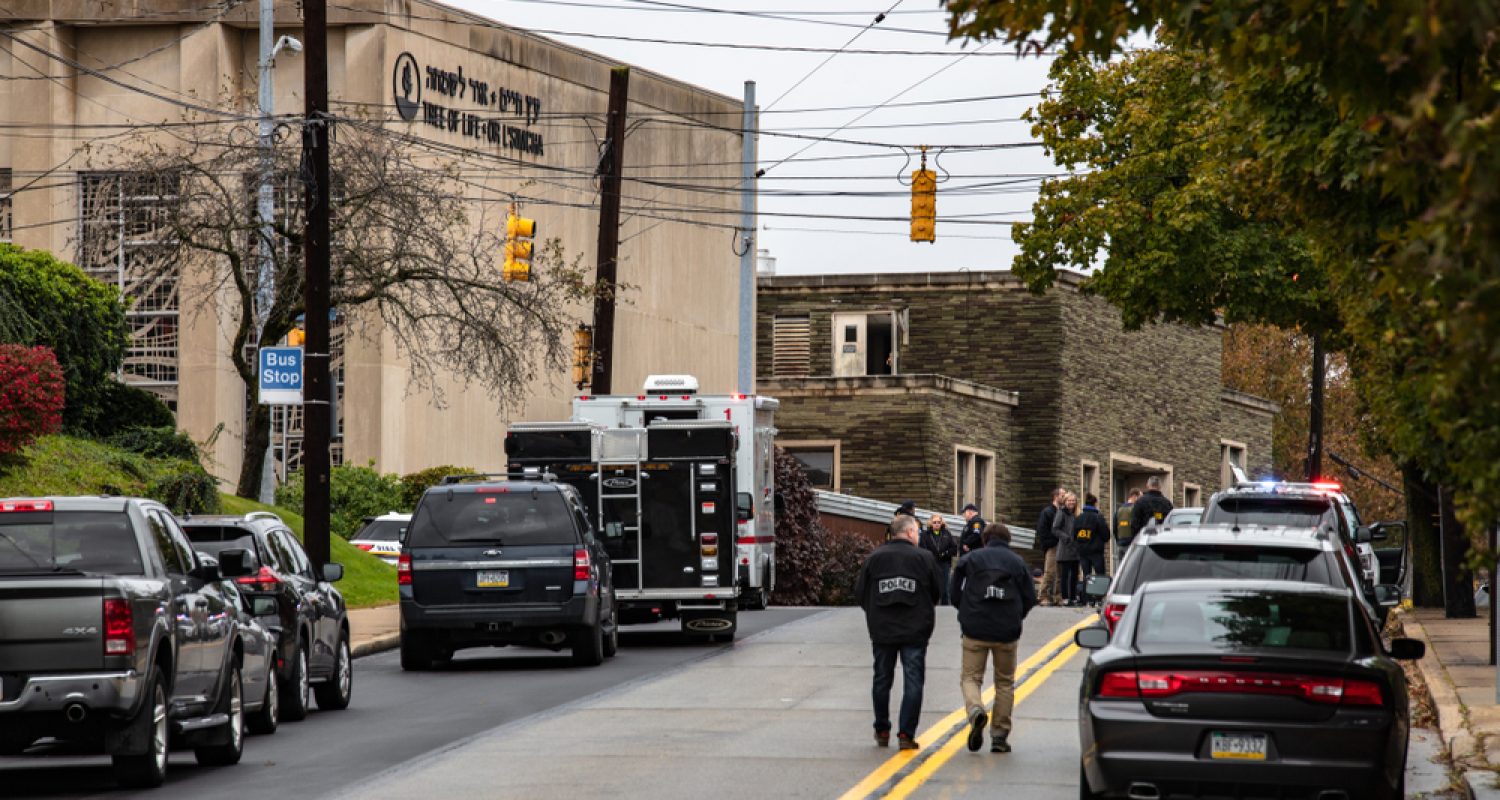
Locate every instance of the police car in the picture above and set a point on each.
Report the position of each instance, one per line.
(381, 536)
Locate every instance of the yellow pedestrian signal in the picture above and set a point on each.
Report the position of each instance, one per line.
(924, 204)
(296, 337)
(519, 232)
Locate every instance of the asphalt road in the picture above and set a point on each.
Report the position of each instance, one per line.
(395, 716)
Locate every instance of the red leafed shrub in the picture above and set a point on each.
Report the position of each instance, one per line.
(31, 395)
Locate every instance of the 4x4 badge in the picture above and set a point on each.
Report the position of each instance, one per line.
(492, 552)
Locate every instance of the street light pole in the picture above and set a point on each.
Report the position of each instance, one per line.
(265, 207)
(748, 241)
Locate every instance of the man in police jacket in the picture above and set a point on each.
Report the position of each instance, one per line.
(898, 587)
(993, 590)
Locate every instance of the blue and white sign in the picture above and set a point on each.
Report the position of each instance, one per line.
(280, 376)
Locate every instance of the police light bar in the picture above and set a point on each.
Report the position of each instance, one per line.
(1328, 486)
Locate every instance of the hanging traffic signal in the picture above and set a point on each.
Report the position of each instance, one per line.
(296, 337)
(519, 232)
(924, 203)
(583, 355)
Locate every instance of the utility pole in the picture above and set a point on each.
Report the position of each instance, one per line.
(610, 168)
(265, 207)
(316, 424)
(1315, 412)
(748, 128)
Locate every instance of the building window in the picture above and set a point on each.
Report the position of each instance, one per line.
(1088, 478)
(1230, 454)
(973, 479)
(122, 242)
(5, 205)
(819, 459)
(791, 346)
(1192, 495)
(866, 343)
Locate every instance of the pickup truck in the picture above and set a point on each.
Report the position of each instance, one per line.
(116, 636)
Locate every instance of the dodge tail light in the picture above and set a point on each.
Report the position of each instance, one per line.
(119, 627)
(1157, 684)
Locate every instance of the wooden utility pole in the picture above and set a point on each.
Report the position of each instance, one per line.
(316, 424)
(610, 167)
(1315, 412)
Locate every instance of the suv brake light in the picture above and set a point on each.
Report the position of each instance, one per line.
(1154, 684)
(265, 580)
(1112, 614)
(581, 564)
(119, 627)
(26, 505)
(403, 569)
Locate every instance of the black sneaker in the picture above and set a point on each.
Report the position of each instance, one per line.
(882, 738)
(907, 743)
(977, 720)
(998, 745)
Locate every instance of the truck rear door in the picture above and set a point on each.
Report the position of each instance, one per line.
(688, 511)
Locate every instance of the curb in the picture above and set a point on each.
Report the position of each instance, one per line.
(1452, 727)
(376, 644)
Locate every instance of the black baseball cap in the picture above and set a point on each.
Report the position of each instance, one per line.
(970, 507)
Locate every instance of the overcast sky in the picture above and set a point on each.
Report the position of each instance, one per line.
(985, 186)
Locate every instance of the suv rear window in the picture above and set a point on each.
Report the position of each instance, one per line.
(215, 539)
(1234, 619)
(520, 517)
(1293, 512)
(86, 541)
(1179, 562)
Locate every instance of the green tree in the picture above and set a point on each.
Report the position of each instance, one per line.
(354, 492)
(47, 302)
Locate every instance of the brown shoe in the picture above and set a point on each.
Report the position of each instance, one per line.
(882, 738)
(907, 743)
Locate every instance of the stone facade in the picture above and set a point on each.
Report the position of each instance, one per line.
(1090, 401)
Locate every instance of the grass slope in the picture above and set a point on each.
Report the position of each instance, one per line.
(69, 465)
(368, 581)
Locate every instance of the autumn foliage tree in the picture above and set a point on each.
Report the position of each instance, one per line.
(31, 395)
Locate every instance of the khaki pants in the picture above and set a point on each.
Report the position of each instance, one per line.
(976, 652)
(1048, 593)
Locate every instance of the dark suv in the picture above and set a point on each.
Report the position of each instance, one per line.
(488, 563)
(302, 608)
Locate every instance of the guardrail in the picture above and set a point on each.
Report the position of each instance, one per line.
(847, 505)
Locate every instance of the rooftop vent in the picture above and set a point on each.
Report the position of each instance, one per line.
(671, 384)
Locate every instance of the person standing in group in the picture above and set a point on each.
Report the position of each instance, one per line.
(1150, 508)
(972, 538)
(1067, 549)
(993, 589)
(898, 589)
(1091, 537)
(1048, 544)
(939, 541)
(1123, 531)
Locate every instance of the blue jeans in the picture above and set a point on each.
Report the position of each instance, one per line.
(914, 673)
(945, 567)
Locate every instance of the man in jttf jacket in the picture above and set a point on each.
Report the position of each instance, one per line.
(994, 591)
(898, 589)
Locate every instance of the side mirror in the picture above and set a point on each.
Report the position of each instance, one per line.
(401, 536)
(333, 572)
(1096, 586)
(1091, 638)
(1378, 532)
(1363, 535)
(207, 569)
(236, 562)
(1387, 595)
(744, 507)
(1407, 649)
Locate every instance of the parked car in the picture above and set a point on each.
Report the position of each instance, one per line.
(492, 563)
(1183, 516)
(1263, 552)
(304, 610)
(1243, 689)
(381, 536)
(114, 632)
(1303, 505)
(257, 664)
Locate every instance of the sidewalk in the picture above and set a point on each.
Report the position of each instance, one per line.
(1462, 684)
(373, 630)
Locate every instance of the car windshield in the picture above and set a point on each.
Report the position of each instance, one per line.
(85, 541)
(1294, 512)
(521, 517)
(1178, 562)
(214, 540)
(1184, 517)
(382, 530)
(1242, 619)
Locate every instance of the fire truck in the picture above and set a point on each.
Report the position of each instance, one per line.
(681, 486)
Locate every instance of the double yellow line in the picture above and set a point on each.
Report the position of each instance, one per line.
(1041, 664)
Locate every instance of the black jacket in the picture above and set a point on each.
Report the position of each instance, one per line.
(973, 536)
(994, 592)
(1123, 531)
(1151, 506)
(898, 587)
(1091, 532)
(941, 545)
(1044, 538)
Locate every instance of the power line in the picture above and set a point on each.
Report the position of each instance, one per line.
(660, 5)
(831, 56)
(808, 110)
(791, 13)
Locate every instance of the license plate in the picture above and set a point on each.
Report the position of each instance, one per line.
(499, 579)
(1239, 746)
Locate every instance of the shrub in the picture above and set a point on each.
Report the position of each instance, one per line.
(31, 395)
(186, 491)
(801, 542)
(160, 442)
(44, 301)
(354, 493)
(845, 555)
(413, 484)
(120, 408)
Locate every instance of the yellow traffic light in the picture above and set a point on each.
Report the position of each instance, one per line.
(519, 232)
(583, 355)
(924, 204)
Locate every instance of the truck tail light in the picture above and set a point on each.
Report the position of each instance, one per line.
(26, 505)
(403, 570)
(119, 627)
(264, 580)
(582, 564)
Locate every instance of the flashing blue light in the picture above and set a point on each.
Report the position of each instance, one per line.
(1268, 484)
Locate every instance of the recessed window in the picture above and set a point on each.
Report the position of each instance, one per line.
(973, 479)
(1230, 454)
(1192, 495)
(820, 460)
